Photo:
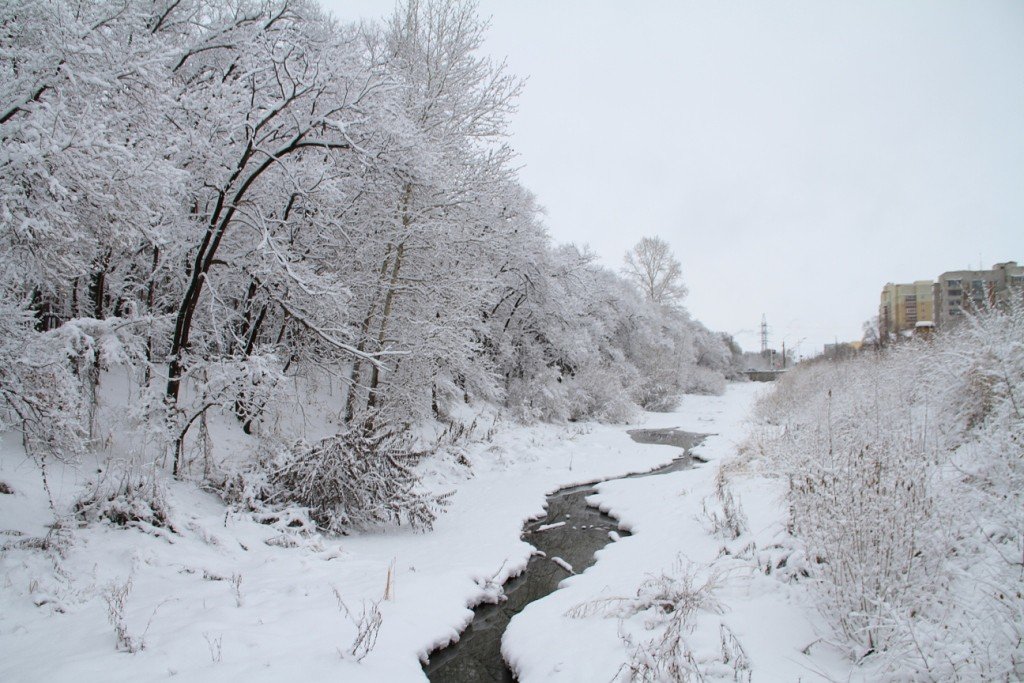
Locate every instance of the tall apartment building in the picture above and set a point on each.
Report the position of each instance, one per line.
(965, 290)
(903, 306)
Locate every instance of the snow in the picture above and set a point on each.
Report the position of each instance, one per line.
(563, 564)
(772, 620)
(215, 601)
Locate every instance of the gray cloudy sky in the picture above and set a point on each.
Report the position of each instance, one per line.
(796, 155)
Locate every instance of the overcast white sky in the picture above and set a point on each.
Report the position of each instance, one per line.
(796, 155)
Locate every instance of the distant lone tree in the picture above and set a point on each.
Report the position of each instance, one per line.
(654, 269)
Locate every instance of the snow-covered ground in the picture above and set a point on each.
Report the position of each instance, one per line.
(216, 601)
(576, 633)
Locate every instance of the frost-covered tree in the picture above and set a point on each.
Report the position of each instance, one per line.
(652, 267)
(86, 181)
(233, 204)
(437, 235)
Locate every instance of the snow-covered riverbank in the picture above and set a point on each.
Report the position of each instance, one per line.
(220, 601)
(587, 630)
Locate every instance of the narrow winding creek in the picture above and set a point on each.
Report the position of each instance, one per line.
(566, 539)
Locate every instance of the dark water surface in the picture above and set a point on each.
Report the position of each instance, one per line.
(581, 531)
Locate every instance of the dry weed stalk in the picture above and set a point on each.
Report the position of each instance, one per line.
(367, 625)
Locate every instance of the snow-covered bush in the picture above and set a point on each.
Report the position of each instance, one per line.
(48, 380)
(658, 396)
(41, 393)
(601, 392)
(906, 490)
(542, 397)
(124, 496)
(356, 480)
(858, 469)
(700, 380)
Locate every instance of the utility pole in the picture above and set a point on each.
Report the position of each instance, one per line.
(764, 335)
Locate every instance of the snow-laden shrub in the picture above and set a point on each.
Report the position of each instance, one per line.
(40, 393)
(126, 496)
(859, 475)
(359, 479)
(248, 487)
(602, 392)
(906, 491)
(978, 389)
(48, 379)
(243, 486)
(596, 391)
(696, 379)
(541, 397)
(658, 395)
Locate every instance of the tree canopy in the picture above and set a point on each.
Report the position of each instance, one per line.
(652, 267)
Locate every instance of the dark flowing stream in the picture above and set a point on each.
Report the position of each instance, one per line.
(572, 532)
